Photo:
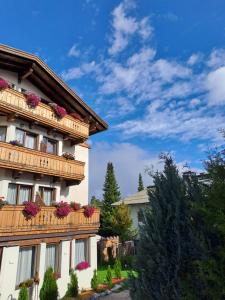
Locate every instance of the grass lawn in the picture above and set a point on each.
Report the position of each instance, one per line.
(101, 273)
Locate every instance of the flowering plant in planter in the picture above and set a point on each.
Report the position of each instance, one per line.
(82, 265)
(32, 100)
(16, 143)
(88, 211)
(28, 283)
(2, 202)
(75, 206)
(4, 84)
(63, 209)
(68, 155)
(59, 110)
(31, 209)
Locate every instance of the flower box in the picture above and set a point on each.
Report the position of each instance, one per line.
(88, 211)
(32, 100)
(31, 209)
(82, 266)
(59, 110)
(62, 209)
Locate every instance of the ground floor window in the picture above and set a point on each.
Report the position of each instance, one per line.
(81, 251)
(47, 195)
(26, 264)
(52, 257)
(18, 193)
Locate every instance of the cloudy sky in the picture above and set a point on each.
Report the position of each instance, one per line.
(153, 69)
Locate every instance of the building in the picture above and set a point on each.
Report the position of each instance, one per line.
(33, 167)
(136, 203)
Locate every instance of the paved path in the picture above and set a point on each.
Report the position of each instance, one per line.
(118, 296)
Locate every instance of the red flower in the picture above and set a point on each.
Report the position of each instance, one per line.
(33, 100)
(75, 206)
(63, 209)
(4, 84)
(82, 265)
(88, 211)
(31, 209)
(59, 110)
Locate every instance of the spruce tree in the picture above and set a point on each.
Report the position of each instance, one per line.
(140, 183)
(160, 254)
(72, 287)
(111, 195)
(49, 290)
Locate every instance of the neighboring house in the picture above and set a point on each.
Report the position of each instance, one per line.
(136, 203)
(35, 169)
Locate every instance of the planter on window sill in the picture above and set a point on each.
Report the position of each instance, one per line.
(68, 155)
(3, 202)
(82, 266)
(28, 283)
(16, 143)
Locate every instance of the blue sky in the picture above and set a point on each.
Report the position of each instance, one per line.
(153, 69)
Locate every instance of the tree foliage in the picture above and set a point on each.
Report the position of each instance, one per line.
(49, 290)
(140, 183)
(94, 281)
(109, 277)
(95, 202)
(117, 268)
(72, 288)
(23, 294)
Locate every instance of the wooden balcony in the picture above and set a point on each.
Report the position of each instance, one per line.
(14, 102)
(14, 224)
(29, 160)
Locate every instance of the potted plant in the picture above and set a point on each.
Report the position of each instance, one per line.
(62, 209)
(59, 110)
(31, 209)
(32, 100)
(68, 155)
(82, 265)
(4, 84)
(16, 143)
(2, 202)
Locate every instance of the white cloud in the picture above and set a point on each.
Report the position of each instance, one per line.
(194, 59)
(124, 26)
(194, 102)
(129, 160)
(216, 58)
(215, 84)
(74, 51)
(77, 72)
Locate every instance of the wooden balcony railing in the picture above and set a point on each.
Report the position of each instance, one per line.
(29, 160)
(12, 101)
(13, 222)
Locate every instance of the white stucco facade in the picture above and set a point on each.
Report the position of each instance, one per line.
(76, 193)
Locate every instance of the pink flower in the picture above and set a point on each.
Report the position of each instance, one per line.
(31, 209)
(59, 110)
(63, 209)
(82, 265)
(88, 211)
(33, 100)
(4, 84)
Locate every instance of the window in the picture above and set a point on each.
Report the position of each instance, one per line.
(26, 264)
(18, 193)
(47, 195)
(2, 133)
(81, 251)
(49, 145)
(52, 257)
(140, 216)
(26, 138)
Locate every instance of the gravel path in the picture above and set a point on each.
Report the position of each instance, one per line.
(118, 296)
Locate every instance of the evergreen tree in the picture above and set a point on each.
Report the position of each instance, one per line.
(117, 268)
(110, 196)
(109, 277)
(161, 256)
(140, 183)
(72, 289)
(23, 295)
(49, 290)
(94, 281)
(95, 202)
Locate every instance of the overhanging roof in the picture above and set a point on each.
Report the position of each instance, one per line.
(137, 198)
(36, 71)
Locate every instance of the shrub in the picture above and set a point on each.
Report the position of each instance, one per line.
(117, 268)
(72, 289)
(31, 209)
(94, 281)
(127, 261)
(109, 277)
(23, 295)
(63, 209)
(82, 265)
(49, 290)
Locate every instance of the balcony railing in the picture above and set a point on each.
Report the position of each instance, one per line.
(12, 101)
(13, 222)
(29, 160)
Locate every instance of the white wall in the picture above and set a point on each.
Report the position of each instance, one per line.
(134, 209)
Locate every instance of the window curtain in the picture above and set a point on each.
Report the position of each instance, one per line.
(24, 194)
(51, 147)
(25, 264)
(47, 195)
(30, 141)
(2, 134)
(11, 194)
(50, 257)
(80, 251)
(19, 135)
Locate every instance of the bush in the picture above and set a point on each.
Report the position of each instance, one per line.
(94, 281)
(49, 290)
(23, 295)
(109, 277)
(117, 268)
(72, 289)
(127, 261)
